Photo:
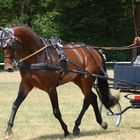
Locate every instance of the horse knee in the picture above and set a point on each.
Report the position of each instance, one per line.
(57, 113)
(21, 96)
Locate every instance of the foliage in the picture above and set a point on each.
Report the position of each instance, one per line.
(94, 22)
(1, 57)
(5, 11)
(45, 24)
(35, 119)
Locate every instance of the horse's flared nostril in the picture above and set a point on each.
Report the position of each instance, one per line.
(10, 69)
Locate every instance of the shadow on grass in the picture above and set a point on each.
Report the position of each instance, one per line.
(136, 127)
(82, 134)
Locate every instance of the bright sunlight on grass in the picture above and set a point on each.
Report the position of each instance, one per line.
(35, 120)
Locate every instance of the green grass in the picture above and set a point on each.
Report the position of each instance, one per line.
(35, 120)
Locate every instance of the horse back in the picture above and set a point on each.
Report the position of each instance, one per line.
(86, 57)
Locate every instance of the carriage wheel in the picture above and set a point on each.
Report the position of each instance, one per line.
(108, 116)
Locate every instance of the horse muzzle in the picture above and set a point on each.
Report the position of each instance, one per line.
(9, 68)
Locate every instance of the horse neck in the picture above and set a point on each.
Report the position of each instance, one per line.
(30, 43)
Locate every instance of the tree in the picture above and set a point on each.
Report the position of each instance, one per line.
(6, 10)
(100, 22)
(137, 15)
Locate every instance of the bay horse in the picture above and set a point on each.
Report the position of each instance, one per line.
(81, 61)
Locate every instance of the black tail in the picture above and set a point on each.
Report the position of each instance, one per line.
(107, 99)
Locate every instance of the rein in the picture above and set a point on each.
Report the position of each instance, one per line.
(134, 45)
(131, 46)
(31, 55)
(38, 51)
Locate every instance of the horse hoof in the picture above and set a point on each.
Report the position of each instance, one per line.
(8, 135)
(67, 134)
(76, 132)
(104, 125)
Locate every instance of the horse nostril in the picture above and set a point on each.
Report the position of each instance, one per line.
(10, 70)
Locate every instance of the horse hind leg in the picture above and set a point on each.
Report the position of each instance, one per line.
(90, 99)
(96, 110)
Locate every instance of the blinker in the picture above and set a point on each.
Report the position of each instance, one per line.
(6, 34)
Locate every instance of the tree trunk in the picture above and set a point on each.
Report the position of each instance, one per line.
(137, 15)
(136, 52)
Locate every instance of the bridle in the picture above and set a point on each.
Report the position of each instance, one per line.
(7, 35)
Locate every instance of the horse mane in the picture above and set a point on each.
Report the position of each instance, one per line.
(26, 27)
(21, 25)
(30, 31)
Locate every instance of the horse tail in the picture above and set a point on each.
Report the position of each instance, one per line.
(106, 97)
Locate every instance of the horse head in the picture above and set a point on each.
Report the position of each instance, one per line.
(6, 35)
(17, 42)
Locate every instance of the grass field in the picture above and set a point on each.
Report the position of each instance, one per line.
(35, 120)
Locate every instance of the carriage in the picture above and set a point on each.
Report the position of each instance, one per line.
(127, 82)
(77, 63)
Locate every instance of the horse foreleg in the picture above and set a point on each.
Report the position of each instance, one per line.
(56, 110)
(21, 96)
(86, 103)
